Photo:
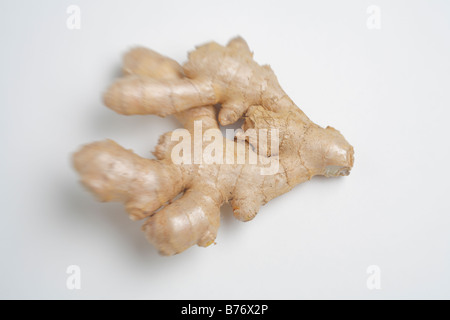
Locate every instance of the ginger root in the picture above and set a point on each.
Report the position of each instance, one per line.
(214, 74)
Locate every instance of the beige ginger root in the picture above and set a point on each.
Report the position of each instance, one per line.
(214, 74)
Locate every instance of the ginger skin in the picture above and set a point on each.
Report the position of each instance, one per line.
(154, 84)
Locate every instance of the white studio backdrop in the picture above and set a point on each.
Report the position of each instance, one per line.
(379, 71)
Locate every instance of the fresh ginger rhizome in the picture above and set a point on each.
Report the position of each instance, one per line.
(181, 202)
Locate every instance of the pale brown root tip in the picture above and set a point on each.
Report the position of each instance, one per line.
(113, 98)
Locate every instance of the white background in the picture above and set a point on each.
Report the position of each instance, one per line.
(387, 91)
